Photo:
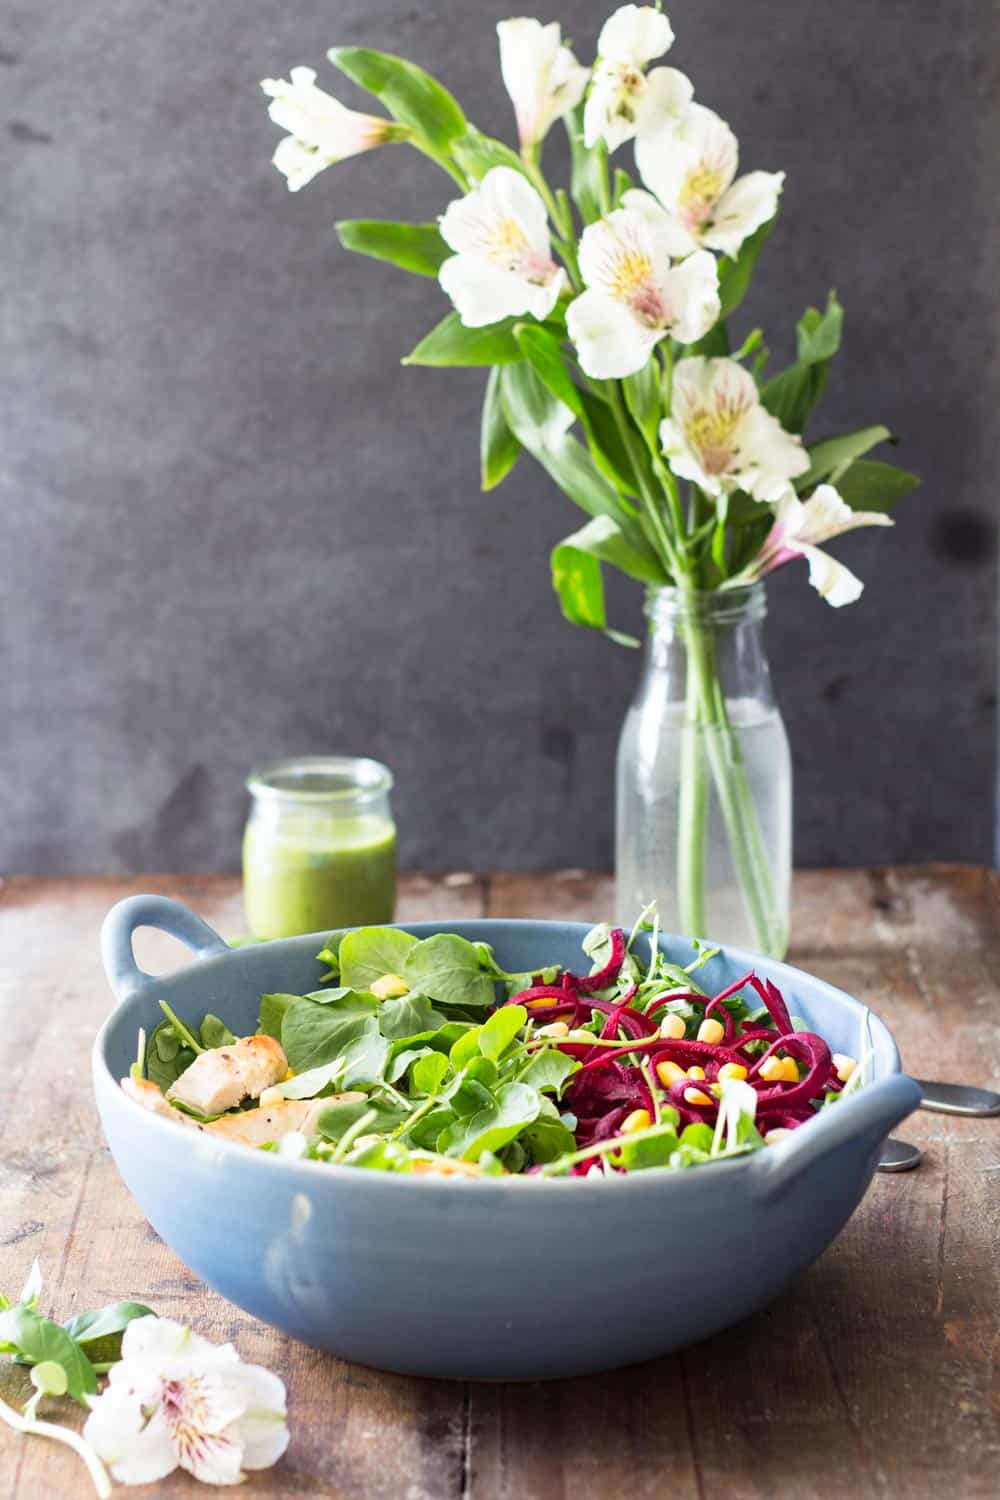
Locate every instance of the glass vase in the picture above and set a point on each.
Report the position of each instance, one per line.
(704, 781)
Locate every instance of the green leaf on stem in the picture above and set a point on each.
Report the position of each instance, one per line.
(644, 399)
(413, 247)
(622, 184)
(791, 395)
(476, 154)
(830, 458)
(499, 449)
(577, 572)
(869, 485)
(452, 344)
(588, 179)
(734, 275)
(713, 345)
(409, 94)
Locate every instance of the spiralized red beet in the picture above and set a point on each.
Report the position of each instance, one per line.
(615, 1080)
(588, 983)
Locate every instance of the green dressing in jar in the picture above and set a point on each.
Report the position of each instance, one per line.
(319, 850)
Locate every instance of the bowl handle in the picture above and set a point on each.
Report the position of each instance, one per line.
(869, 1114)
(119, 928)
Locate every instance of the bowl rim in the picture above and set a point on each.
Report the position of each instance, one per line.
(336, 1172)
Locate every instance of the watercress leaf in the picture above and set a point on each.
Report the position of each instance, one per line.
(369, 952)
(341, 1114)
(698, 1135)
(549, 1069)
(365, 1058)
(446, 967)
(312, 1034)
(828, 459)
(428, 1073)
(470, 1097)
(166, 1059)
(451, 344)
(325, 997)
(870, 485)
(329, 954)
(400, 1062)
(272, 1013)
(465, 1048)
(482, 1070)
(514, 1106)
(381, 1156)
(315, 1081)
(408, 1016)
(597, 944)
(496, 1034)
(654, 1151)
(37, 1340)
(215, 1033)
(410, 95)
(499, 449)
(413, 247)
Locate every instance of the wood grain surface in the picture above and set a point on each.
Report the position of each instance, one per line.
(879, 1374)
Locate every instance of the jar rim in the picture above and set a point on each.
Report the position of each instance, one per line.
(742, 602)
(300, 778)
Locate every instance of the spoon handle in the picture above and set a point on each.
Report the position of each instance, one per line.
(958, 1099)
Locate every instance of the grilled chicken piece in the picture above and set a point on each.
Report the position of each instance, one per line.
(251, 1127)
(223, 1077)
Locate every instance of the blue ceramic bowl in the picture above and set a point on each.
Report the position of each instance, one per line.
(492, 1279)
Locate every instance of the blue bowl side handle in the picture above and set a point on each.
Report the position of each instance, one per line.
(870, 1113)
(120, 926)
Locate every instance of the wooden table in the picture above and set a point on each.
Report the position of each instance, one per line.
(878, 1375)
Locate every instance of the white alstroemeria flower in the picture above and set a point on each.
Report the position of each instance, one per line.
(540, 73)
(719, 435)
(691, 170)
(798, 528)
(635, 296)
(175, 1399)
(321, 130)
(503, 266)
(623, 98)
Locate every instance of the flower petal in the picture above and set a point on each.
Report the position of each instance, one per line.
(504, 194)
(485, 294)
(135, 1451)
(691, 291)
(541, 75)
(163, 1338)
(769, 456)
(215, 1458)
(750, 202)
(674, 239)
(299, 163)
(825, 514)
(610, 340)
(832, 581)
(664, 100)
(683, 460)
(689, 166)
(635, 34)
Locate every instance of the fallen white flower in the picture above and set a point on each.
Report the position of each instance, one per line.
(177, 1400)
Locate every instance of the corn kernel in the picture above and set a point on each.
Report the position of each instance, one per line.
(732, 1070)
(673, 1028)
(791, 1074)
(779, 1133)
(579, 1035)
(695, 1096)
(639, 1119)
(773, 1070)
(669, 1072)
(711, 1031)
(289, 1076)
(389, 987)
(270, 1097)
(843, 1065)
(696, 1072)
(554, 1028)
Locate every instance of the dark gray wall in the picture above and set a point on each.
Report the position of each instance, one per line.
(232, 525)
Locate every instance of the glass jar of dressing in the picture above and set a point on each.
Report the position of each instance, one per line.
(319, 850)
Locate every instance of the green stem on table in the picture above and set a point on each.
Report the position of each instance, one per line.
(33, 1427)
(692, 829)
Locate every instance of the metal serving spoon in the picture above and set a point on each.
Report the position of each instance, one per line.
(944, 1099)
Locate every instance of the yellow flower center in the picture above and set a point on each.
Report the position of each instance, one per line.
(507, 243)
(701, 192)
(710, 434)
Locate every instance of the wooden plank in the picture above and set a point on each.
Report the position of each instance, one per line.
(875, 1374)
(62, 1200)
